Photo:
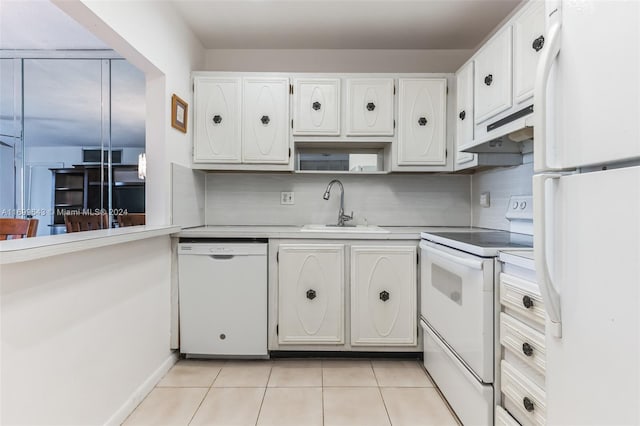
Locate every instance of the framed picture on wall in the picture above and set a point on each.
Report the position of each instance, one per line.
(179, 109)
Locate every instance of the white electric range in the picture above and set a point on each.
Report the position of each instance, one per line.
(459, 276)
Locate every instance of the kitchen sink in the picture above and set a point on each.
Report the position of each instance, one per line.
(345, 228)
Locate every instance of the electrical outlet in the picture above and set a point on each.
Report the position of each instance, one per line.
(287, 198)
(485, 199)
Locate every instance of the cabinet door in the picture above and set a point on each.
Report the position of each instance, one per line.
(493, 79)
(316, 106)
(464, 113)
(383, 296)
(217, 120)
(311, 294)
(422, 121)
(265, 120)
(528, 41)
(370, 106)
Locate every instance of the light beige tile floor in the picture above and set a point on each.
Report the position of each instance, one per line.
(301, 392)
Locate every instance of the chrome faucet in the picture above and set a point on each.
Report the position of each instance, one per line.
(342, 218)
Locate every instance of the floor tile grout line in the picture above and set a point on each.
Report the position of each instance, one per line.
(384, 404)
(199, 405)
(264, 395)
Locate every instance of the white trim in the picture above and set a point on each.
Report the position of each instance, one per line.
(142, 391)
(59, 54)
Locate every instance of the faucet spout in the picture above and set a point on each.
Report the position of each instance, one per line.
(342, 218)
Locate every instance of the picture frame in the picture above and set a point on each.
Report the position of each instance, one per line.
(179, 113)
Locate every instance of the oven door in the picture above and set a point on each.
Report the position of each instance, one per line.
(457, 302)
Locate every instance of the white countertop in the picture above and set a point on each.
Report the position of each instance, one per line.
(522, 258)
(25, 249)
(296, 232)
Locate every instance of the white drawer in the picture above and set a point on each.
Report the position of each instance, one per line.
(503, 418)
(523, 297)
(525, 400)
(471, 400)
(523, 341)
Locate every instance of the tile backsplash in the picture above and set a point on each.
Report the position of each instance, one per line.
(387, 200)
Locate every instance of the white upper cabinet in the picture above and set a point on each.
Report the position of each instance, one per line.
(369, 107)
(383, 296)
(316, 106)
(217, 120)
(464, 113)
(528, 41)
(265, 120)
(493, 77)
(422, 121)
(310, 294)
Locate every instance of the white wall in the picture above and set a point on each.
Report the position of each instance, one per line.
(153, 37)
(77, 346)
(342, 60)
(501, 183)
(401, 200)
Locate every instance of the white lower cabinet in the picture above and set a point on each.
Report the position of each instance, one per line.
(311, 294)
(383, 296)
(343, 295)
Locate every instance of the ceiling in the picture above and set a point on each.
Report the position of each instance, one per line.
(40, 25)
(343, 24)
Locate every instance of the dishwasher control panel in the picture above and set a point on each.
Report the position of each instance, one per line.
(223, 249)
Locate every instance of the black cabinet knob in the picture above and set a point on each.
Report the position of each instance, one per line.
(384, 295)
(223, 336)
(527, 349)
(311, 294)
(528, 404)
(527, 302)
(538, 43)
(265, 119)
(217, 119)
(422, 121)
(488, 79)
(316, 106)
(371, 106)
(462, 115)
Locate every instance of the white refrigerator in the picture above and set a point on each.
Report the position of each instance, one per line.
(586, 190)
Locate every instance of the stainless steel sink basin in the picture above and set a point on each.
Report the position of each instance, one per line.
(345, 229)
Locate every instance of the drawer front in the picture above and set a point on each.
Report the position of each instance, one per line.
(503, 418)
(471, 400)
(525, 400)
(523, 297)
(523, 341)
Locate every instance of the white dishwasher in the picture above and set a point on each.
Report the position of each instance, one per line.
(223, 298)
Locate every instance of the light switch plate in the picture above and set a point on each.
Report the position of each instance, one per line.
(286, 198)
(485, 199)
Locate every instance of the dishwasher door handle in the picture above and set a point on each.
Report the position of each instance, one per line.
(222, 256)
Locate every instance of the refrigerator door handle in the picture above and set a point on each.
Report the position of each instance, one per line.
(547, 59)
(549, 291)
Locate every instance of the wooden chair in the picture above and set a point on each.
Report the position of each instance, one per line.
(86, 222)
(132, 219)
(13, 229)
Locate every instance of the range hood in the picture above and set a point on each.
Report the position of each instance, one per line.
(504, 135)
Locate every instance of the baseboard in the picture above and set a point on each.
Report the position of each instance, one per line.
(143, 390)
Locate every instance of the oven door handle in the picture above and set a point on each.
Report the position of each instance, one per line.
(471, 263)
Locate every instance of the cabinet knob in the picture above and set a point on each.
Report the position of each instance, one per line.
(527, 302)
(422, 121)
(488, 79)
(462, 115)
(223, 336)
(528, 404)
(265, 119)
(316, 106)
(527, 349)
(311, 294)
(217, 119)
(384, 295)
(371, 106)
(538, 43)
